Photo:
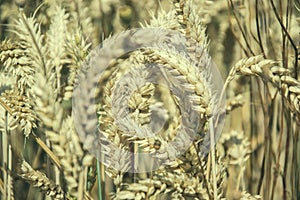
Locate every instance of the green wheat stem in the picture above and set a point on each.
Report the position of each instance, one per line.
(99, 179)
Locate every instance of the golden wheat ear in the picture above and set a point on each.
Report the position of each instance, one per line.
(40, 180)
(269, 71)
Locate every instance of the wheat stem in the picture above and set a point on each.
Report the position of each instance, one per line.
(47, 150)
(1, 186)
(202, 171)
(9, 178)
(81, 184)
(246, 40)
(99, 179)
(289, 37)
(258, 29)
(213, 157)
(5, 156)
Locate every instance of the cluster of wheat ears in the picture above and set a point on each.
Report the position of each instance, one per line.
(48, 151)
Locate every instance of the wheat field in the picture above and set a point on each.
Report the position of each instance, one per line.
(156, 99)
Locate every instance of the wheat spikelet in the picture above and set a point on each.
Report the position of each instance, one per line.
(234, 103)
(236, 152)
(138, 106)
(7, 122)
(47, 109)
(77, 49)
(21, 110)
(279, 77)
(163, 19)
(16, 63)
(32, 40)
(41, 181)
(184, 185)
(56, 40)
(64, 142)
(194, 31)
(80, 19)
(191, 77)
(11, 189)
(56, 36)
(147, 188)
(237, 147)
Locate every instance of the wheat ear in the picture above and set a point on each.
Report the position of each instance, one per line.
(41, 181)
(270, 72)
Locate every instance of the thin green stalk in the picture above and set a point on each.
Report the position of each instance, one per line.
(99, 179)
